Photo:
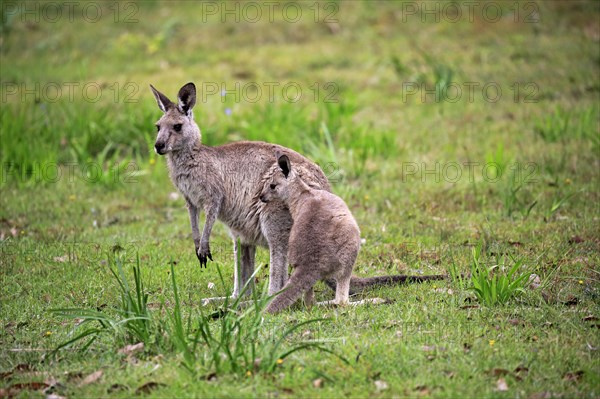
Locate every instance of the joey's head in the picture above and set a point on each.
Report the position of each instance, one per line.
(278, 186)
(176, 129)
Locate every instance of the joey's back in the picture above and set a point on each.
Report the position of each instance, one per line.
(324, 233)
(324, 230)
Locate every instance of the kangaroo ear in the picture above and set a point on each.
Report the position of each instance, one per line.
(284, 164)
(187, 98)
(163, 102)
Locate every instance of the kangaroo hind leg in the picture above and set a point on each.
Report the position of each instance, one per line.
(298, 284)
(342, 290)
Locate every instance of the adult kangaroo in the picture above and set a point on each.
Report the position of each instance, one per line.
(226, 182)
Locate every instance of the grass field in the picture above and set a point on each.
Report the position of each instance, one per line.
(447, 127)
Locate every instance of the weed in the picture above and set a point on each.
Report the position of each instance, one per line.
(562, 125)
(557, 203)
(497, 284)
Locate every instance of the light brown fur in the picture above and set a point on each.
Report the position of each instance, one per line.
(324, 240)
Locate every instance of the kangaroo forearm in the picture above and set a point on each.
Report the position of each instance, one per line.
(193, 212)
(211, 218)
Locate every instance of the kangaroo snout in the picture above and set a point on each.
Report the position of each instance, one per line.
(159, 147)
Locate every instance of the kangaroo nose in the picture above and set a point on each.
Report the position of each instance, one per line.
(159, 147)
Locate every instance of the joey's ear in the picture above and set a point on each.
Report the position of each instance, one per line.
(163, 101)
(187, 98)
(284, 164)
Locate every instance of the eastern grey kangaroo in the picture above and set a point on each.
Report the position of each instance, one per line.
(324, 241)
(226, 181)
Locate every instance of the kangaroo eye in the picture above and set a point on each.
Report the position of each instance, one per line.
(177, 127)
(157, 128)
(273, 186)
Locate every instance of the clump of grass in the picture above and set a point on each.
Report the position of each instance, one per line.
(513, 178)
(557, 203)
(131, 322)
(236, 339)
(563, 124)
(497, 284)
(241, 341)
(512, 200)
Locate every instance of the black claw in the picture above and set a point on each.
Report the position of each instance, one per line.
(203, 258)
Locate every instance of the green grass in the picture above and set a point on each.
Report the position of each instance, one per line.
(81, 188)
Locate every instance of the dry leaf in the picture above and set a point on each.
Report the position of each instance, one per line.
(15, 389)
(576, 240)
(423, 390)
(149, 386)
(522, 370)
(129, 349)
(501, 385)
(573, 375)
(541, 395)
(115, 388)
(381, 385)
(534, 281)
(496, 372)
(90, 379)
(467, 347)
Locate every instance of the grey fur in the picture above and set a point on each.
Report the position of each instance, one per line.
(324, 240)
(225, 181)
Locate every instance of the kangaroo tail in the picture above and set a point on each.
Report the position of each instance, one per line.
(297, 285)
(358, 284)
